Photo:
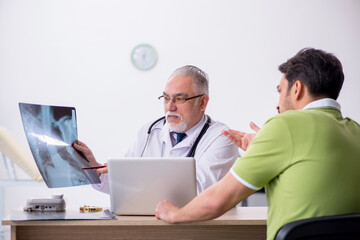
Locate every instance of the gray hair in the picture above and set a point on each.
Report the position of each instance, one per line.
(200, 78)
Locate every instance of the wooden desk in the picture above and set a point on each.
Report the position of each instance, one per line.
(239, 223)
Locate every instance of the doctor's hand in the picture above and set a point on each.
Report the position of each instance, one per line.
(166, 211)
(242, 139)
(85, 150)
(100, 171)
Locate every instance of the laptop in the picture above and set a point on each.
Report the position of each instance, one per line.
(138, 184)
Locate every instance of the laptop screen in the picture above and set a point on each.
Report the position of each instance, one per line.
(138, 184)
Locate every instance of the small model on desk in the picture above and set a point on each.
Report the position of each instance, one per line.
(54, 204)
(86, 209)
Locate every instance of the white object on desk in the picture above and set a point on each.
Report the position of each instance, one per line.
(54, 204)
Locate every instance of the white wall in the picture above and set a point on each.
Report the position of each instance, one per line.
(77, 53)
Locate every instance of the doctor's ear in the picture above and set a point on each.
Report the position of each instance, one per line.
(204, 101)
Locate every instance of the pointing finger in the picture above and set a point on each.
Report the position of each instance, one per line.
(254, 127)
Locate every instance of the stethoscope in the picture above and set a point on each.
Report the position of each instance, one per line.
(193, 148)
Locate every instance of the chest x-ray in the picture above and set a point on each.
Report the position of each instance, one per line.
(50, 132)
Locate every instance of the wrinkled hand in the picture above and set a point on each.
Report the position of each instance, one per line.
(85, 150)
(100, 171)
(242, 139)
(166, 211)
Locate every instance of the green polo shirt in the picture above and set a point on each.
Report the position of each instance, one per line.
(309, 161)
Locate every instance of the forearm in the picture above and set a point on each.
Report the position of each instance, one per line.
(210, 204)
(206, 206)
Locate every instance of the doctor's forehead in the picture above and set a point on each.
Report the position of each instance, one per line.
(179, 85)
(180, 82)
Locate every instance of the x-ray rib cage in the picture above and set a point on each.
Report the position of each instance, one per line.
(51, 131)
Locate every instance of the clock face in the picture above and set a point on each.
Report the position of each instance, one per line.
(144, 57)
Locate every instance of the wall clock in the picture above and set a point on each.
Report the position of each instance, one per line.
(144, 57)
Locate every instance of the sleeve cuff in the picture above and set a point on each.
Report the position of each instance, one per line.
(243, 181)
(104, 185)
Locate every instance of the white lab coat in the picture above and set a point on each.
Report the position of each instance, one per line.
(214, 155)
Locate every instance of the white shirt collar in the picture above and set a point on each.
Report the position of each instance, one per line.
(324, 102)
(167, 134)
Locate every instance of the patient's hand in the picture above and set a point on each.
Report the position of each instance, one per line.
(165, 210)
(242, 139)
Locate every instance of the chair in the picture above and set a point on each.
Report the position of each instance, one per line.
(345, 227)
(12, 150)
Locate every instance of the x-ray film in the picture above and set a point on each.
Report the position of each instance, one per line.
(50, 132)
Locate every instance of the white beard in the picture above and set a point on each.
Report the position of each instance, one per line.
(176, 127)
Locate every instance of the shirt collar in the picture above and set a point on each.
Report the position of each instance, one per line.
(324, 102)
(166, 133)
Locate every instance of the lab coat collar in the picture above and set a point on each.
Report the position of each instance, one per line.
(324, 102)
(197, 127)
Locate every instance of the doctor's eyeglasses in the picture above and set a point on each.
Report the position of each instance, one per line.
(178, 100)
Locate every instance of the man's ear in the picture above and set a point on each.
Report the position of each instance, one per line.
(203, 102)
(299, 89)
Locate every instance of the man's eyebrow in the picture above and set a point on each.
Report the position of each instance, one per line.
(176, 94)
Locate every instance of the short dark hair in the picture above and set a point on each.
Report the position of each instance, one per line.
(319, 71)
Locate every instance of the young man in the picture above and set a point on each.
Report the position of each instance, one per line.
(185, 97)
(308, 156)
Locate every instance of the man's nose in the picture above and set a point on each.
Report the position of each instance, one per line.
(171, 105)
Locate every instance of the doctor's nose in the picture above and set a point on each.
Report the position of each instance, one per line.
(171, 105)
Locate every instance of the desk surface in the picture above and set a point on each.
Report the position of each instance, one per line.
(237, 216)
(246, 222)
